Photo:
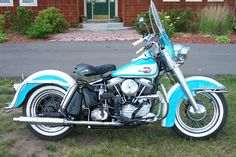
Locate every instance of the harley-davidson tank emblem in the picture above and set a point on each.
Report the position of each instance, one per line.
(145, 70)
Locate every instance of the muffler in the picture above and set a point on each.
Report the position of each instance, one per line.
(62, 121)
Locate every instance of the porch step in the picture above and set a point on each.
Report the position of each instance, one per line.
(104, 26)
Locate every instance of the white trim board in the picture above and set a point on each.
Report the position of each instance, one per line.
(34, 3)
(10, 4)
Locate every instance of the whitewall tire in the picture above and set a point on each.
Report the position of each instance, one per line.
(205, 125)
(51, 97)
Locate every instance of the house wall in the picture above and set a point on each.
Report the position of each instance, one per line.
(127, 9)
(81, 7)
(70, 8)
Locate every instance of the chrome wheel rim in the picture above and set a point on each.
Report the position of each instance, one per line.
(206, 122)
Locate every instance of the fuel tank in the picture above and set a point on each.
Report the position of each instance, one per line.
(142, 68)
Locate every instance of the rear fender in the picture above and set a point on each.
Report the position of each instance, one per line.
(195, 84)
(37, 79)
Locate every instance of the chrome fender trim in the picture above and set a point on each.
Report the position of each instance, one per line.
(195, 84)
(39, 78)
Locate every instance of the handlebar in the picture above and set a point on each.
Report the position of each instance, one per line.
(140, 50)
(148, 43)
(138, 42)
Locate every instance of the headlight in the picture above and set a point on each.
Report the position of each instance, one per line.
(181, 53)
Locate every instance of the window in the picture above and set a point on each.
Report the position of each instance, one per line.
(193, 0)
(215, 0)
(6, 2)
(28, 3)
(171, 0)
(100, 1)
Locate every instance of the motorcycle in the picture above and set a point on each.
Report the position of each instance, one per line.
(54, 102)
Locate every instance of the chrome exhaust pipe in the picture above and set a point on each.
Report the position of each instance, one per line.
(62, 121)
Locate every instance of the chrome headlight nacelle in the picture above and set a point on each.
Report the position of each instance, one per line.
(181, 53)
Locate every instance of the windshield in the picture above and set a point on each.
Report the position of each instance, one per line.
(163, 37)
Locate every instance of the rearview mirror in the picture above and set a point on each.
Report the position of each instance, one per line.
(143, 26)
(141, 20)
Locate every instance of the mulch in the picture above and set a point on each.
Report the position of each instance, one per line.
(15, 38)
(186, 38)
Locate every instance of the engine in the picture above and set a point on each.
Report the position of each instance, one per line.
(128, 110)
(130, 90)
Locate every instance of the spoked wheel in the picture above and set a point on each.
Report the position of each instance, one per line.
(46, 99)
(205, 124)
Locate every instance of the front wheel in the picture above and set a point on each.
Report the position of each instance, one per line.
(43, 100)
(202, 125)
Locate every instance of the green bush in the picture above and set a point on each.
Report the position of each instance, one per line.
(48, 21)
(169, 27)
(2, 30)
(223, 39)
(39, 29)
(184, 20)
(25, 19)
(166, 21)
(215, 20)
(2, 37)
(11, 20)
(20, 22)
(1, 23)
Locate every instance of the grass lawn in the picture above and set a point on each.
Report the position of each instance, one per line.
(151, 140)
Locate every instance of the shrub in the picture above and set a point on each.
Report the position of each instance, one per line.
(20, 22)
(39, 29)
(48, 21)
(2, 34)
(169, 27)
(1, 23)
(2, 37)
(25, 19)
(11, 20)
(223, 39)
(183, 20)
(166, 21)
(215, 20)
(53, 17)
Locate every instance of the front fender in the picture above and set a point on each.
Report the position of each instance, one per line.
(40, 78)
(176, 94)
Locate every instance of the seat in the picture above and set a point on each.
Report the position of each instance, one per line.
(89, 70)
(102, 69)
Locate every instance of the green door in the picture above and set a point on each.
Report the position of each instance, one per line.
(89, 9)
(112, 9)
(99, 9)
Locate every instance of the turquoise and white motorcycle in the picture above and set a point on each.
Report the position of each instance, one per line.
(54, 102)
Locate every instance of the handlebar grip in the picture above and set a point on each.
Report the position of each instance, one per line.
(140, 50)
(138, 42)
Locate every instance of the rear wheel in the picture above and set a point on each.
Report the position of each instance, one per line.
(43, 100)
(202, 125)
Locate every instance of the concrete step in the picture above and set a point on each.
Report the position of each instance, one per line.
(104, 26)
